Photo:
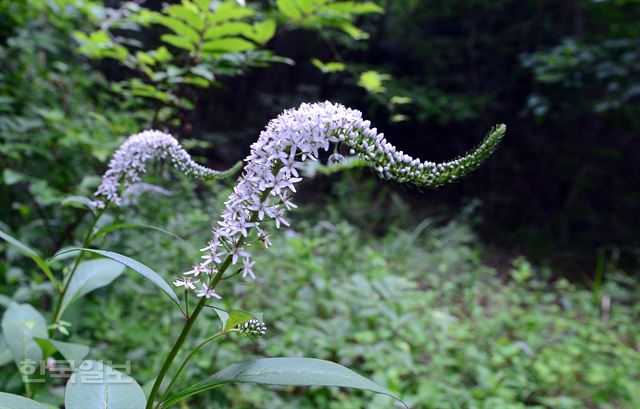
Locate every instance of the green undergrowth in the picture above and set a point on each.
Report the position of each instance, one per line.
(417, 310)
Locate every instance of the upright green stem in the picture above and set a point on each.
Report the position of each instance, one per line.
(186, 360)
(190, 321)
(186, 329)
(85, 243)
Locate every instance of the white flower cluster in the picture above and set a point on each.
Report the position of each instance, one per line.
(263, 191)
(129, 163)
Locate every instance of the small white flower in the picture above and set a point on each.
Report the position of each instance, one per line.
(238, 252)
(186, 282)
(247, 269)
(207, 292)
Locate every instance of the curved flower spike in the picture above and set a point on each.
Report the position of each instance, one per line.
(128, 164)
(271, 172)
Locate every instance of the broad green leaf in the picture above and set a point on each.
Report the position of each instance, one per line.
(178, 42)
(289, 8)
(20, 324)
(351, 7)
(145, 90)
(352, 30)
(103, 231)
(180, 28)
(70, 352)
(229, 10)
(89, 276)
(197, 81)
(229, 29)
(79, 201)
(138, 267)
(227, 45)
(189, 16)
(232, 318)
(28, 251)
(98, 386)
(284, 371)
(373, 81)
(203, 71)
(144, 58)
(10, 401)
(262, 31)
(161, 54)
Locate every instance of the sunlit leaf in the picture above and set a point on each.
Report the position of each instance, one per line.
(177, 41)
(328, 67)
(227, 45)
(229, 29)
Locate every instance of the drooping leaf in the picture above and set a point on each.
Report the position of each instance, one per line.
(20, 324)
(89, 276)
(71, 352)
(284, 371)
(98, 386)
(11, 401)
(180, 28)
(138, 267)
(177, 41)
(79, 201)
(228, 29)
(28, 251)
(189, 15)
(227, 45)
(103, 231)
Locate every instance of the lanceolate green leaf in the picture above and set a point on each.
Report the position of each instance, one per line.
(31, 253)
(138, 267)
(79, 201)
(227, 45)
(284, 371)
(119, 226)
(10, 401)
(20, 324)
(90, 276)
(98, 386)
